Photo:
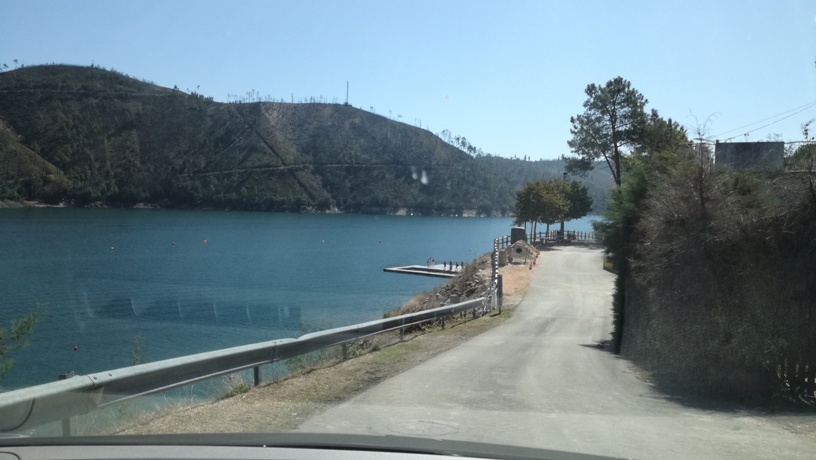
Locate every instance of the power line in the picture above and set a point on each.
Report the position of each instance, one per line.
(795, 110)
(773, 122)
(697, 141)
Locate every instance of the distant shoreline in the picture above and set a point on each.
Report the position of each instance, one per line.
(17, 204)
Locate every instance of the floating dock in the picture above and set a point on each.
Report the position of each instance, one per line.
(424, 270)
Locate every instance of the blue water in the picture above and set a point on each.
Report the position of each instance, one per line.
(192, 281)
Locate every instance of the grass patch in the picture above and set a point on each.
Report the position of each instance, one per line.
(235, 385)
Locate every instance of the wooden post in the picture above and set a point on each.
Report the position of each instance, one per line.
(256, 375)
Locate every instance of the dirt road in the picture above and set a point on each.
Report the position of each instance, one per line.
(540, 380)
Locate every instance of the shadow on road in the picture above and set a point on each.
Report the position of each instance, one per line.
(671, 392)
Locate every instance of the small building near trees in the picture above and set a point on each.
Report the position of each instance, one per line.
(766, 156)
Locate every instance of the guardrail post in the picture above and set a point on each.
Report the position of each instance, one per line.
(499, 292)
(443, 321)
(256, 375)
(493, 302)
(68, 424)
(345, 350)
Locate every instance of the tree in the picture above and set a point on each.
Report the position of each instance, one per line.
(802, 159)
(661, 135)
(550, 202)
(538, 202)
(576, 196)
(14, 338)
(554, 204)
(526, 202)
(612, 122)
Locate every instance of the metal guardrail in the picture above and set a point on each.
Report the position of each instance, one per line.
(51, 402)
(495, 290)
(555, 235)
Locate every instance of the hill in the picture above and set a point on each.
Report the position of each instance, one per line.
(23, 173)
(85, 135)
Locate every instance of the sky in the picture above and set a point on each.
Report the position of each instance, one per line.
(507, 75)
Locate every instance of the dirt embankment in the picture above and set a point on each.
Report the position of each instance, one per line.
(284, 404)
(471, 283)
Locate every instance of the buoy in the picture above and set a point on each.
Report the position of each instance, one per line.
(173, 243)
(76, 348)
(205, 242)
(380, 241)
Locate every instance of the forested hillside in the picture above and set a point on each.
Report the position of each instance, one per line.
(85, 135)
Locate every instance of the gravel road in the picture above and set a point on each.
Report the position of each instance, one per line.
(541, 380)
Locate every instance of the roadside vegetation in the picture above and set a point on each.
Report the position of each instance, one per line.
(15, 337)
(715, 266)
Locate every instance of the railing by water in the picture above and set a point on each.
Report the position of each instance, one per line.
(547, 237)
(60, 401)
(555, 236)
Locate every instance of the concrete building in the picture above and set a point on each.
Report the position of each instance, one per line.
(750, 155)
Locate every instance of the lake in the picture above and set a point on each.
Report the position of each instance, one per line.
(183, 282)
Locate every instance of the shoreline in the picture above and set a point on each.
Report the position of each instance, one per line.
(468, 213)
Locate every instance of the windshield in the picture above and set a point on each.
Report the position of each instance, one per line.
(577, 227)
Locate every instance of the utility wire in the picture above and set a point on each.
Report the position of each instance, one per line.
(773, 122)
(795, 110)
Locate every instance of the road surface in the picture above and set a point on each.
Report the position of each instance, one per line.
(540, 380)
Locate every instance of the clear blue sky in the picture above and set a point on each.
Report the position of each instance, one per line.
(506, 74)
